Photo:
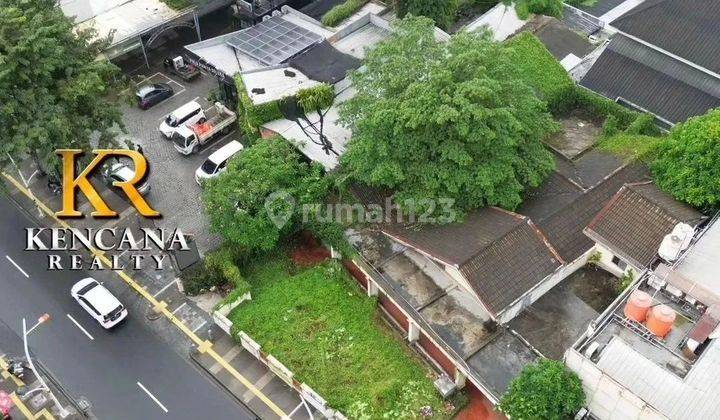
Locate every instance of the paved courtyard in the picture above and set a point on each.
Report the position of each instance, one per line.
(174, 192)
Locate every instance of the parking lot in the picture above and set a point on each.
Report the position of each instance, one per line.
(174, 192)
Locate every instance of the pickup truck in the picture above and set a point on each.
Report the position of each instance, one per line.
(178, 67)
(188, 139)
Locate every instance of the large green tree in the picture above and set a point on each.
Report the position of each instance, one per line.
(53, 90)
(258, 200)
(688, 161)
(434, 120)
(543, 390)
(442, 12)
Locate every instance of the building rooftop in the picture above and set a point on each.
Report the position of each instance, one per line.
(668, 374)
(455, 319)
(696, 273)
(645, 78)
(564, 228)
(485, 248)
(554, 322)
(687, 28)
(636, 219)
(119, 19)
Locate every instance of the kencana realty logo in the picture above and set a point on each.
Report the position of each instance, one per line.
(65, 247)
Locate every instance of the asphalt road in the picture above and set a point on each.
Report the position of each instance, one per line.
(125, 373)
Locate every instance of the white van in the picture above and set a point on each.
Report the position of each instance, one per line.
(188, 114)
(217, 162)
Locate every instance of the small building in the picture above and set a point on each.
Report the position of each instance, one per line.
(629, 230)
(663, 57)
(635, 364)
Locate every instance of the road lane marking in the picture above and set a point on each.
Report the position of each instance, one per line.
(165, 288)
(17, 266)
(178, 308)
(203, 346)
(199, 326)
(77, 324)
(153, 397)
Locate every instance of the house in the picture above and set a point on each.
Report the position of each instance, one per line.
(484, 297)
(662, 58)
(633, 369)
(631, 227)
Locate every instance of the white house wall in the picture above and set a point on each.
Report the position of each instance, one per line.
(543, 287)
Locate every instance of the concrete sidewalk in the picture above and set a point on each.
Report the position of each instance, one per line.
(261, 377)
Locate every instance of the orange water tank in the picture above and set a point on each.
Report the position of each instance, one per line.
(660, 320)
(637, 306)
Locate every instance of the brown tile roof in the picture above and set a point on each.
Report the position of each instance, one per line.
(564, 228)
(635, 220)
(501, 254)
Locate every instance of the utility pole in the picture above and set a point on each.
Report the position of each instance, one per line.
(26, 183)
(62, 412)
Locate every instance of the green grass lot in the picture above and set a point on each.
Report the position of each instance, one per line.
(322, 326)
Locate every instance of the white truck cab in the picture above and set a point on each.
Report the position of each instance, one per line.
(189, 138)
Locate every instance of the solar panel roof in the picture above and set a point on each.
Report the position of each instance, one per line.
(274, 41)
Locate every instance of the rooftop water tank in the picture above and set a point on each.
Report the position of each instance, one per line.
(637, 306)
(676, 242)
(660, 320)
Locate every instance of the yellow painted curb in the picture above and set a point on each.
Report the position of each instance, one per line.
(22, 407)
(157, 304)
(44, 413)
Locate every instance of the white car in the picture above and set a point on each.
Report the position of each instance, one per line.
(217, 162)
(99, 302)
(120, 172)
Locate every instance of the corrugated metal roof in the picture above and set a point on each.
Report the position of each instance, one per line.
(688, 28)
(656, 82)
(693, 398)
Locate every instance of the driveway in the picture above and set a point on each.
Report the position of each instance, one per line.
(175, 194)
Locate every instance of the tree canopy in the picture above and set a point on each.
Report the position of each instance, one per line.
(688, 161)
(543, 390)
(53, 91)
(434, 120)
(442, 12)
(257, 200)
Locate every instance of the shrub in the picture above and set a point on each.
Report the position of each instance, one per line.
(342, 11)
(316, 98)
(221, 263)
(442, 12)
(251, 116)
(610, 127)
(541, 71)
(552, 8)
(630, 146)
(197, 280)
(543, 390)
(687, 161)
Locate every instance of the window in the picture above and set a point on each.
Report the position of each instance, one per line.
(620, 263)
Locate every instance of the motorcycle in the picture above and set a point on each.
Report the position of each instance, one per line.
(17, 368)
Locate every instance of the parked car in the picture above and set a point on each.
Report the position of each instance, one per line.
(180, 68)
(150, 95)
(99, 302)
(217, 162)
(188, 114)
(121, 172)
